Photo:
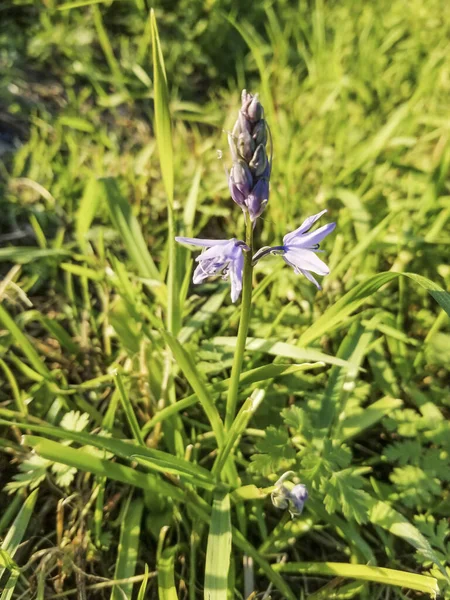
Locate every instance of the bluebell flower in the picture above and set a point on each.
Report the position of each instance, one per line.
(223, 257)
(291, 497)
(297, 498)
(300, 247)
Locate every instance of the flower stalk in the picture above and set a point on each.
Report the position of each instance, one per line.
(246, 306)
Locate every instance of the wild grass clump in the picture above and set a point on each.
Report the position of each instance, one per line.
(160, 439)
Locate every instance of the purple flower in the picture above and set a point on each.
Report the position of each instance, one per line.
(288, 496)
(300, 247)
(221, 256)
(297, 498)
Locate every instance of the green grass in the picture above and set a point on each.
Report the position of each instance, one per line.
(118, 476)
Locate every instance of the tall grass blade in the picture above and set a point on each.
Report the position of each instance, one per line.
(189, 369)
(128, 547)
(166, 576)
(355, 297)
(163, 130)
(127, 226)
(15, 536)
(218, 551)
(411, 581)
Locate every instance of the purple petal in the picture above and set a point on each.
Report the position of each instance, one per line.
(222, 252)
(236, 271)
(201, 273)
(200, 242)
(311, 278)
(309, 240)
(306, 260)
(305, 226)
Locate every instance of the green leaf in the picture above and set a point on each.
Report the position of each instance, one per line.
(189, 369)
(358, 422)
(22, 255)
(128, 410)
(128, 547)
(412, 581)
(157, 460)
(280, 349)
(22, 342)
(87, 209)
(163, 126)
(383, 515)
(128, 228)
(343, 493)
(218, 551)
(16, 534)
(85, 460)
(166, 576)
(276, 453)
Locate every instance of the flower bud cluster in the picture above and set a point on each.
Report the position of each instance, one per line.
(249, 176)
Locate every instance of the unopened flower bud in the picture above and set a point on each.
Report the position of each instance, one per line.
(255, 110)
(246, 98)
(260, 132)
(240, 182)
(245, 146)
(244, 122)
(258, 199)
(258, 162)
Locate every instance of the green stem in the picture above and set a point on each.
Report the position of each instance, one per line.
(243, 327)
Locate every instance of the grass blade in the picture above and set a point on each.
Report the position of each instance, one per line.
(355, 297)
(128, 410)
(163, 129)
(17, 531)
(218, 552)
(127, 226)
(281, 349)
(166, 576)
(189, 369)
(412, 581)
(128, 547)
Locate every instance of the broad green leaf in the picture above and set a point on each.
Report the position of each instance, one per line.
(219, 549)
(405, 579)
(341, 382)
